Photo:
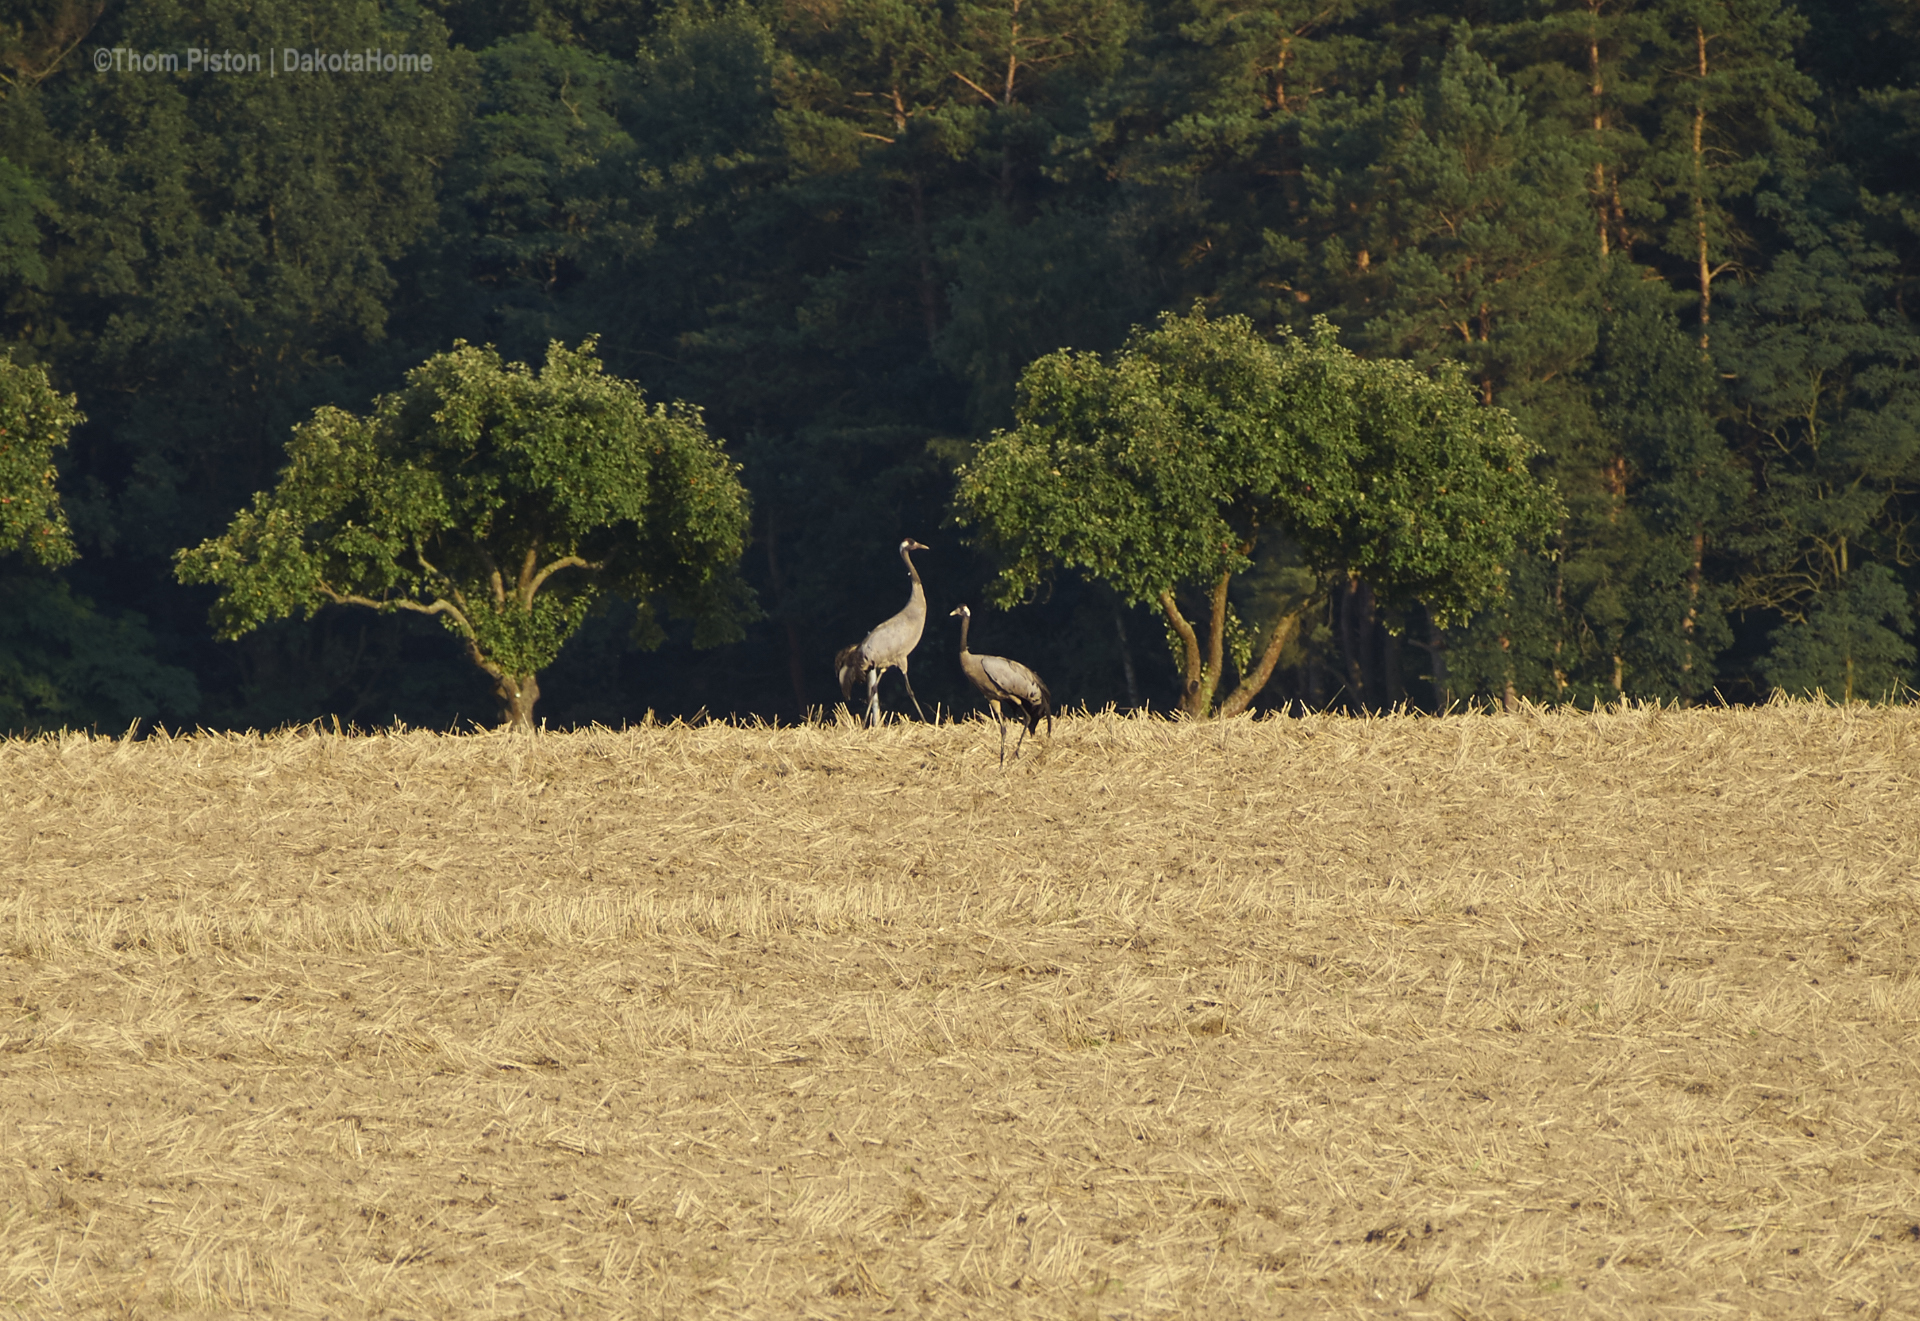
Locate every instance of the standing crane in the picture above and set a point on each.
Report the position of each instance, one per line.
(1002, 680)
(887, 646)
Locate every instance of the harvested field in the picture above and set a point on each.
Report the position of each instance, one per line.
(1486, 1016)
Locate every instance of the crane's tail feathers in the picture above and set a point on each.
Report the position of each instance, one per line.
(846, 668)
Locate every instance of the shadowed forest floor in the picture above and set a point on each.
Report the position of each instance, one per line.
(1484, 1016)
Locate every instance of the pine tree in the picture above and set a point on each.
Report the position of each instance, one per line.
(1822, 362)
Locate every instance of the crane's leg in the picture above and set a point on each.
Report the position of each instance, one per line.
(1017, 743)
(1001, 721)
(873, 698)
(909, 683)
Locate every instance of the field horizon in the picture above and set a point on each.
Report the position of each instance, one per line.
(1483, 1015)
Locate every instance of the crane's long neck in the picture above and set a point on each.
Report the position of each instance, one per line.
(964, 621)
(917, 598)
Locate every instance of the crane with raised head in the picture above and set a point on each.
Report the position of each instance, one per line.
(1002, 680)
(887, 646)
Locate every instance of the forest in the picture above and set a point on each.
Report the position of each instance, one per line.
(1675, 240)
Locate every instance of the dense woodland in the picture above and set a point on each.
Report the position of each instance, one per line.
(1676, 239)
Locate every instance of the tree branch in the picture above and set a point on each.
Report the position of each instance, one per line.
(440, 606)
(1192, 641)
(565, 562)
(1217, 635)
(991, 100)
(1250, 685)
(524, 587)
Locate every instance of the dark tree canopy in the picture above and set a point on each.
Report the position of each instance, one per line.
(1679, 244)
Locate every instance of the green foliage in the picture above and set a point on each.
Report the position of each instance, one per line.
(230, 210)
(1821, 370)
(34, 422)
(1733, 110)
(1165, 467)
(219, 247)
(503, 500)
(846, 229)
(1455, 214)
(22, 203)
(534, 176)
(64, 663)
(1851, 645)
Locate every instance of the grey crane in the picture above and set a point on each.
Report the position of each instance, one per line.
(887, 646)
(1002, 680)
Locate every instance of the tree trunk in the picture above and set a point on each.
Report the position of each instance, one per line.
(1356, 628)
(1202, 678)
(1196, 695)
(796, 662)
(1694, 565)
(929, 291)
(1437, 650)
(1126, 657)
(1284, 631)
(1217, 640)
(1598, 89)
(1700, 191)
(517, 694)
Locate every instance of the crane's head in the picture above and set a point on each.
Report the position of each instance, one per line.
(910, 544)
(961, 611)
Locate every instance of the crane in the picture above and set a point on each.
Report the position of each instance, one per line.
(887, 646)
(1002, 680)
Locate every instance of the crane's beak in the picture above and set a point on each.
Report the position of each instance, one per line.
(914, 545)
(959, 610)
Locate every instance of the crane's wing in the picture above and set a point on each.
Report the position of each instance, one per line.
(892, 640)
(1016, 681)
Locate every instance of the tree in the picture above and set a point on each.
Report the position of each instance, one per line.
(218, 248)
(1459, 226)
(1677, 485)
(34, 422)
(62, 661)
(1851, 645)
(503, 501)
(1456, 225)
(1732, 108)
(1828, 415)
(1161, 471)
(22, 203)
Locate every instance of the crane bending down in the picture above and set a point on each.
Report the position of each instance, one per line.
(887, 646)
(1002, 680)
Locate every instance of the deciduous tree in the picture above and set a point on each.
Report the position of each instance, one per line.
(1160, 471)
(502, 501)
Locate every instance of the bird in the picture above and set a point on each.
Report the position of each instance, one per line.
(1002, 680)
(887, 646)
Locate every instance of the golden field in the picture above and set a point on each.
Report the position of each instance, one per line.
(1549, 1014)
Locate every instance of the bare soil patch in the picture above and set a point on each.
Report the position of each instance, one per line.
(1540, 1015)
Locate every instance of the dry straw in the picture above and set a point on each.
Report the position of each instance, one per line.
(1485, 1016)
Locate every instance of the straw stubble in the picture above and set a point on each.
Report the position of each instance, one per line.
(1544, 1014)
